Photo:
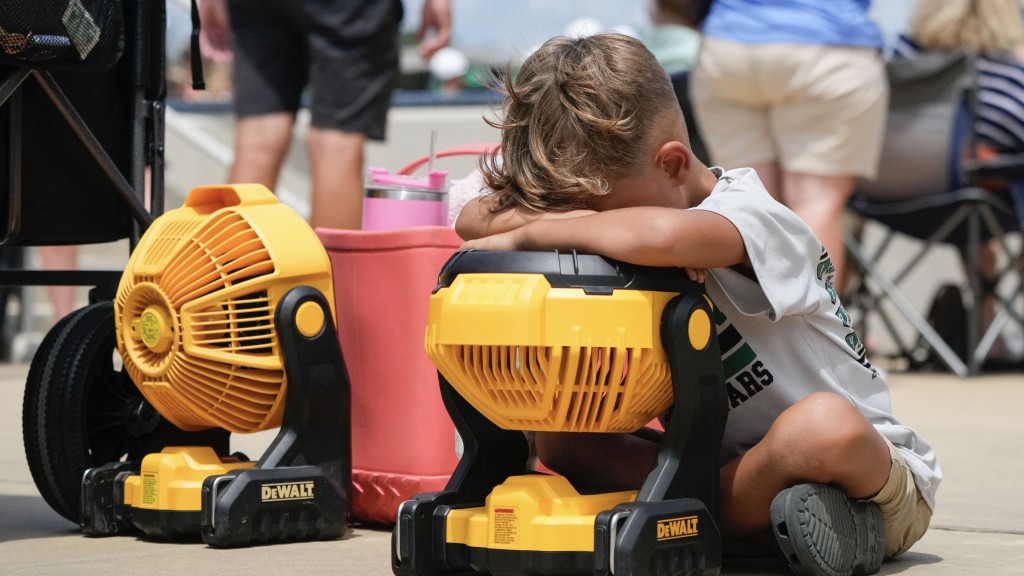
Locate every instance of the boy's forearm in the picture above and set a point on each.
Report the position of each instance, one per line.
(476, 220)
(596, 234)
(647, 236)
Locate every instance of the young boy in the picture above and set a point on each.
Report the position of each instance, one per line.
(595, 158)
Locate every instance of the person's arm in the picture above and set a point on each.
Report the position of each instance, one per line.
(435, 27)
(694, 239)
(215, 30)
(477, 220)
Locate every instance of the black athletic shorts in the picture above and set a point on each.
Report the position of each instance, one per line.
(346, 51)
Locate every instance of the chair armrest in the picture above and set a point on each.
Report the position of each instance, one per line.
(1009, 167)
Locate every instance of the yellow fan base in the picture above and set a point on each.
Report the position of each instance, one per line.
(532, 357)
(195, 306)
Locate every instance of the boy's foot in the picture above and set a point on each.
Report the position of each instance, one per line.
(822, 532)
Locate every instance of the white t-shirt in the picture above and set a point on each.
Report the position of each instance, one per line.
(786, 335)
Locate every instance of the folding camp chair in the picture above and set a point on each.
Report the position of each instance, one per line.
(933, 186)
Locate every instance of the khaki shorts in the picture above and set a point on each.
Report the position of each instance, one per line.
(904, 510)
(814, 109)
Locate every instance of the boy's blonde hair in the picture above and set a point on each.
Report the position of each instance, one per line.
(978, 25)
(579, 113)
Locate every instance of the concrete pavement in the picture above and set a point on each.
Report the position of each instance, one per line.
(974, 425)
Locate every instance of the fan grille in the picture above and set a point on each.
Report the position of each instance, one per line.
(226, 252)
(561, 388)
(532, 357)
(196, 309)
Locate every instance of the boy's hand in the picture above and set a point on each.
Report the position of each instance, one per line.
(697, 274)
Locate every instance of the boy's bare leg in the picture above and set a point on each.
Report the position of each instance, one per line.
(336, 160)
(821, 439)
(261, 143)
(597, 461)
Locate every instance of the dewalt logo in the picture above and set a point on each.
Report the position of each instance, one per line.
(674, 528)
(287, 491)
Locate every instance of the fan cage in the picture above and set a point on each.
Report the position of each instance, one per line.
(530, 356)
(163, 243)
(559, 388)
(242, 325)
(226, 252)
(210, 271)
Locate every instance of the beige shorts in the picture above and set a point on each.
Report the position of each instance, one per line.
(813, 109)
(904, 510)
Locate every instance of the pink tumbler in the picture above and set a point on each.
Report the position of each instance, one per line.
(394, 201)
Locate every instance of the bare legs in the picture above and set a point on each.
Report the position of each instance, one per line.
(822, 439)
(336, 164)
(819, 200)
(261, 143)
(62, 298)
(336, 159)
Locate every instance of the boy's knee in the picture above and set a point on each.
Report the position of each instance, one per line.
(821, 429)
(821, 415)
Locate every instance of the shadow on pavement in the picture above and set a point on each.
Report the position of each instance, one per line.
(25, 517)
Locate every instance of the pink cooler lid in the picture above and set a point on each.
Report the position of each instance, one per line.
(436, 180)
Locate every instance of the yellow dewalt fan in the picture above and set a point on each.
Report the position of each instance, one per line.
(225, 320)
(565, 342)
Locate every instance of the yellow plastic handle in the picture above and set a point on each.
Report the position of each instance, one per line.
(209, 199)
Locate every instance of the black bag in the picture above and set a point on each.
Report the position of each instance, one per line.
(48, 33)
(66, 198)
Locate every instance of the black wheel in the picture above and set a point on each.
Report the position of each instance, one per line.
(81, 410)
(30, 411)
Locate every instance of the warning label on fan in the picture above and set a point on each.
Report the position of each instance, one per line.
(150, 489)
(505, 527)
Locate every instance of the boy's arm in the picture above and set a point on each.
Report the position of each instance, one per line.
(643, 235)
(476, 220)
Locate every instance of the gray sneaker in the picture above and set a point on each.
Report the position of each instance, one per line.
(822, 532)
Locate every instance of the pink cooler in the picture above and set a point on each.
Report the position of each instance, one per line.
(403, 442)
